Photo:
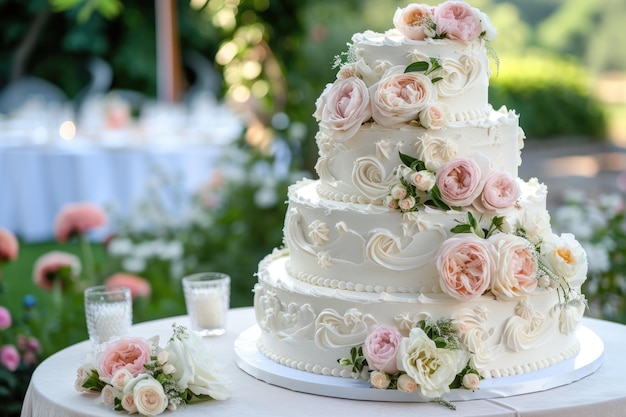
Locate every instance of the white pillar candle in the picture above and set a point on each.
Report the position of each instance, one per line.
(209, 308)
(112, 320)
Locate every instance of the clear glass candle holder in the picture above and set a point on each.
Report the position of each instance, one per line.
(207, 297)
(108, 311)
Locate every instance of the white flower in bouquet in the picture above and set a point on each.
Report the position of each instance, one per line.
(565, 257)
(196, 369)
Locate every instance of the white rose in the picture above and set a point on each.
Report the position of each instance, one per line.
(489, 31)
(361, 70)
(162, 357)
(149, 397)
(108, 395)
(471, 381)
(343, 107)
(390, 202)
(196, 369)
(407, 203)
(435, 116)
(566, 258)
(128, 402)
(406, 383)
(82, 375)
(423, 180)
(398, 192)
(399, 97)
(379, 380)
(168, 369)
(120, 378)
(432, 368)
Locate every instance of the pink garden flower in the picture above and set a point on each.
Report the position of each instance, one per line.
(77, 218)
(48, 267)
(8, 245)
(5, 318)
(516, 271)
(459, 182)
(499, 194)
(457, 20)
(381, 347)
(139, 287)
(466, 265)
(130, 353)
(414, 21)
(10, 357)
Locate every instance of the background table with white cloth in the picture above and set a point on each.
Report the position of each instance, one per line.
(37, 180)
(51, 391)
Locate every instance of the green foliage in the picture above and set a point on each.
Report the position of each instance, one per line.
(551, 95)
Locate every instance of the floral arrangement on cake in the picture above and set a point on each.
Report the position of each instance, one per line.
(393, 96)
(430, 359)
(135, 375)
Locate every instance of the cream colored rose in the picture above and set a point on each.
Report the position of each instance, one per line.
(414, 21)
(379, 380)
(149, 397)
(423, 180)
(432, 368)
(515, 275)
(398, 98)
(435, 116)
(121, 378)
(108, 395)
(406, 204)
(361, 70)
(471, 381)
(128, 402)
(566, 258)
(406, 383)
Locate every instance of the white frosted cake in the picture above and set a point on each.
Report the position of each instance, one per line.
(419, 260)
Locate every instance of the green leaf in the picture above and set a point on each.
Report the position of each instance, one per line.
(434, 80)
(406, 159)
(419, 66)
(462, 228)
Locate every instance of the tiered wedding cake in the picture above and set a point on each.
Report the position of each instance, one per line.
(418, 259)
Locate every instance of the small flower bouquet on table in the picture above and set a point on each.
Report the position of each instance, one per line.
(135, 375)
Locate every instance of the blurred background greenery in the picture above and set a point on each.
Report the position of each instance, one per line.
(562, 66)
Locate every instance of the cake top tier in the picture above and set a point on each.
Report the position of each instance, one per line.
(430, 69)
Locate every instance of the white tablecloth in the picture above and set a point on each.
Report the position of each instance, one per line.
(36, 181)
(51, 392)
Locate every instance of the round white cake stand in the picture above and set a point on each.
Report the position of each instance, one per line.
(252, 361)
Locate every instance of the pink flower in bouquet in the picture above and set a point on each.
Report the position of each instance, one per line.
(457, 20)
(499, 194)
(77, 218)
(139, 287)
(8, 245)
(10, 357)
(380, 349)
(516, 271)
(466, 265)
(131, 353)
(48, 266)
(5, 318)
(413, 21)
(459, 182)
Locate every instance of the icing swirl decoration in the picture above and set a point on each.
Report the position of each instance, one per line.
(435, 151)
(471, 323)
(385, 249)
(458, 76)
(523, 331)
(284, 321)
(405, 322)
(318, 232)
(370, 178)
(385, 148)
(294, 233)
(333, 330)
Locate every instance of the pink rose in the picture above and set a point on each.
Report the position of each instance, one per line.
(457, 20)
(466, 266)
(9, 357)
(459, 182)
(48, 267)
(77, 218)
(380, 349)
(414, 21)
(516, 269)
(343, 107)
(499, 194)
(131, 353)
(139, 287)
(8, 245)
(5, 318)
(398, 98)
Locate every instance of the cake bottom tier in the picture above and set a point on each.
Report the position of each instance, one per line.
(309, 328)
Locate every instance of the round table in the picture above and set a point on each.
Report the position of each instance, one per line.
(602, 394)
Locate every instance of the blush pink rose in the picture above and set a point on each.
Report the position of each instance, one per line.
(459, 182)
(516, 270)
(139, 287)
(457, 20)
(343, 107)
(5, 318)
(466, 265)
(77, 218)
(48, 266)
(381, 348)
(435, 116)
(500, 192)
(398, 98)
(130, 353)
(414, 21)
(10, 357)
(8, 245)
